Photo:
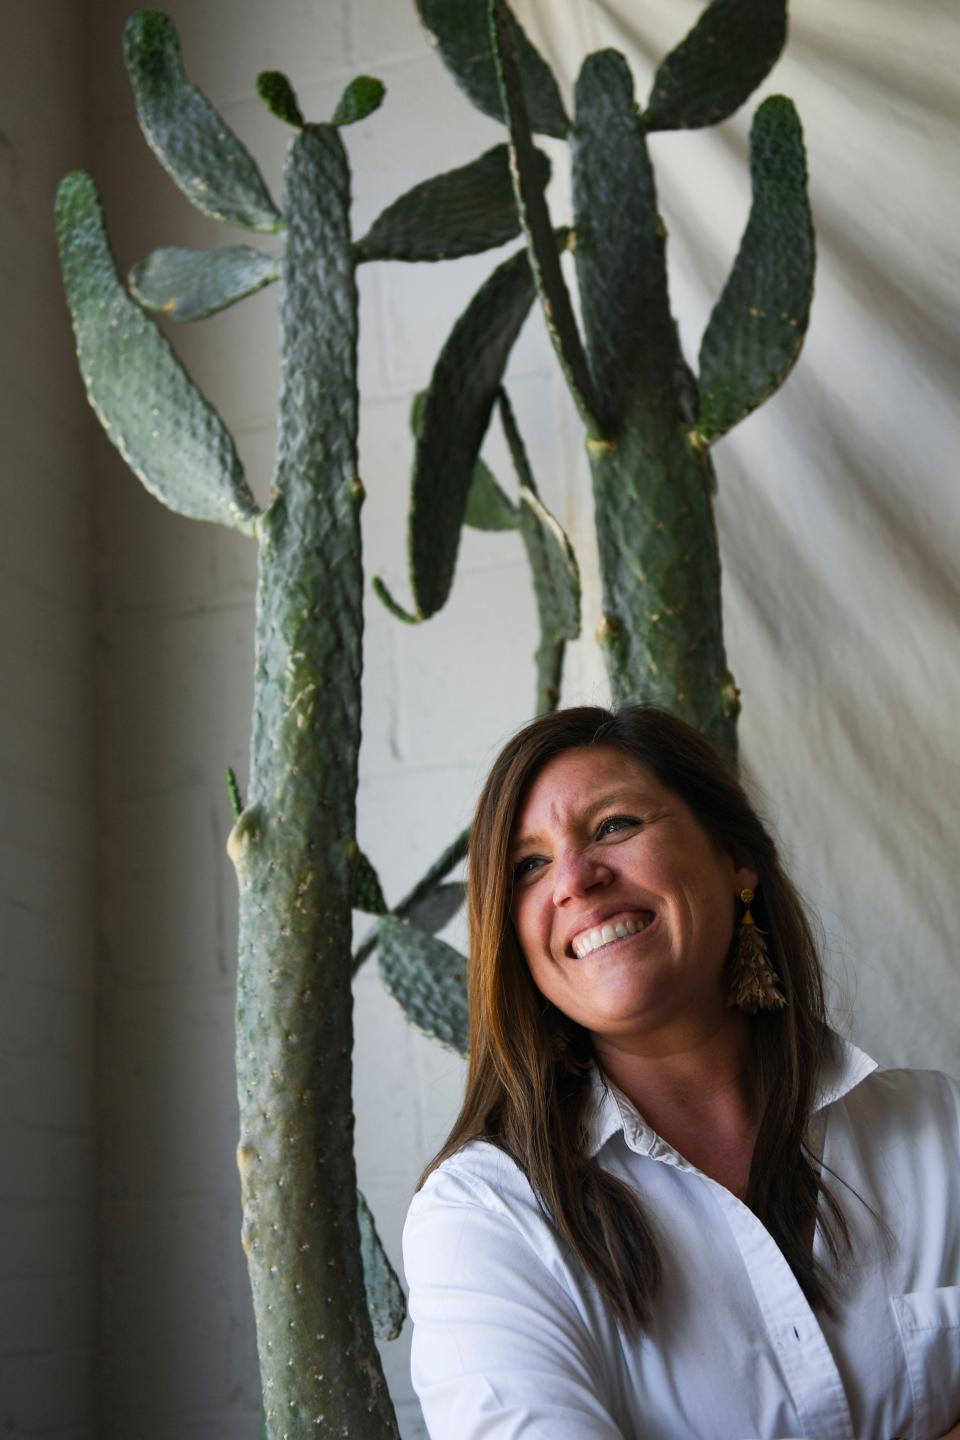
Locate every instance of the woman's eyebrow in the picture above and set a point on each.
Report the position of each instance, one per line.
(635, 794)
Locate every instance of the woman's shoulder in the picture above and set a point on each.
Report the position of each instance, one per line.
(917, 1086)
(908, 1101)
(476, 1214)
(479, 1175)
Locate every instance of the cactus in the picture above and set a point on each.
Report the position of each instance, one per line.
(649, 421)
(308, 1234)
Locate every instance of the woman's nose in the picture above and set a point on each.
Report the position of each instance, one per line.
(577, 874)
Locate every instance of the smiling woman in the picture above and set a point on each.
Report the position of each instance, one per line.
(674, 1202)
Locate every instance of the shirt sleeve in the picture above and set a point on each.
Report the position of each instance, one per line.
(501, 1347)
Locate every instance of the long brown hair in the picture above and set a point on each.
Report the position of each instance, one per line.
(528, 1083)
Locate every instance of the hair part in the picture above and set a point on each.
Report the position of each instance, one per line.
(529, 1082)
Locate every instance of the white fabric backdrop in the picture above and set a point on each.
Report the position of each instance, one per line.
(839, 501)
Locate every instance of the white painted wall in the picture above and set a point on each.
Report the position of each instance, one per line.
(840, 526)
(47, 1275)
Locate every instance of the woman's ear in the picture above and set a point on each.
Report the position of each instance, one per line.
(745, 878)
(744, 872)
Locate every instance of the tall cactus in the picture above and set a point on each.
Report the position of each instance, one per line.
(309, 1237)
(649, 421)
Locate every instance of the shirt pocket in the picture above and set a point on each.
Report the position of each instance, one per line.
(929, 1324)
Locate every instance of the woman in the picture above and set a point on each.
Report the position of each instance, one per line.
(674, 1204)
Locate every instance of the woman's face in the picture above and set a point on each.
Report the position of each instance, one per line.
(623, 906)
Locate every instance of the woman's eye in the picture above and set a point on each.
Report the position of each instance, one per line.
(526, 866)
(613, 823)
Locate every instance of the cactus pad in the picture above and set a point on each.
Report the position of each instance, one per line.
(532, 205)
(385, 1301)
(169, 435)
(383, 594)
(556, 576)
(620, 250)
(460, 213)
(488, 505)
(427, 978)
(361, 98)
(193, 143)
(733, 45)
(191, 284)
(459, 28)
(757, 328)
(280, 98)
(437, 907)
(553, 566)
(455, 418)
(367, 893)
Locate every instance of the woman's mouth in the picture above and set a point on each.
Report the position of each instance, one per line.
(615, 928)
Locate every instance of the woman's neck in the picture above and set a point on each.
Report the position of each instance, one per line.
(698, 1095)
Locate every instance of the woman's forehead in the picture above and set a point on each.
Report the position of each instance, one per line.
(579, 778)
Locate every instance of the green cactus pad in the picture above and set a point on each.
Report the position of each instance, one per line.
(425, 886)
(620, 249)
(280, 98)
(461, 31)
(756, 330)
(191, 284)
(553, 566)
(733, 45)
(437, 907)
(169, 435)
(427, 978)
(191, 140)
(460, 213)
(532, 205)
(488, 505)
(385, 1302)
(367, 894)
(556, 575)
(361, 98)
(455, 418)
(396, 609)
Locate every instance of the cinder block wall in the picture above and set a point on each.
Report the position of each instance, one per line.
(47, 1274)
(174, 676)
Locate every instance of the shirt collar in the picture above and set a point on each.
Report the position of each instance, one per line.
(843, 1068)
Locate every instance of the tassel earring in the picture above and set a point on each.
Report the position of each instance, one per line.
(754, 985)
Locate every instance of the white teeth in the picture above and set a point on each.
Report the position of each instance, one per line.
(610, 930)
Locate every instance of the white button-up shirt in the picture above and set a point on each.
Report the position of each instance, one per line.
(512, 1341)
